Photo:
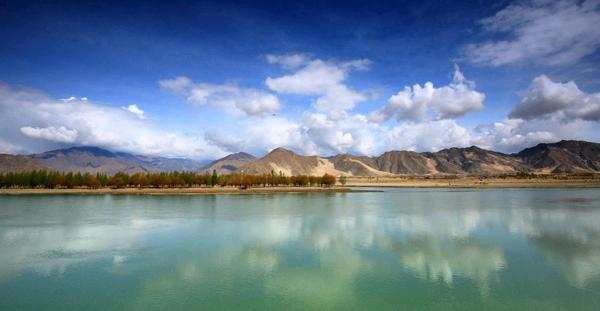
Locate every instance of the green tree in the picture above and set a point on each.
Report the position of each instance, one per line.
(215, 178)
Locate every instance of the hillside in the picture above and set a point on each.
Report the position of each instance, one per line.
(16, 163)
(560, 157)
(566, 156)
(229, 163)
(287, 162)
(93, 160)
(474, 160)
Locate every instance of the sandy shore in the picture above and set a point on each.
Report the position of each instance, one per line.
(179, 191)
(472, 182)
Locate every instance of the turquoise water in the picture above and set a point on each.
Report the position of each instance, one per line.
(405, 249)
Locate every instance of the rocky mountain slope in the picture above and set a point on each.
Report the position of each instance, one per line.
(16, 163)
(561, 157)
(229, 163)
(567, 156)
(287, 162)
(474, 160)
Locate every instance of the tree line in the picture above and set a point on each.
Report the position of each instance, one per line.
(53, 179)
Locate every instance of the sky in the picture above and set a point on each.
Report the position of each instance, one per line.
(203, 80)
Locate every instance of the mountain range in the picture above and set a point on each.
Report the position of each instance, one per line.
(567, 156)
(93, 160)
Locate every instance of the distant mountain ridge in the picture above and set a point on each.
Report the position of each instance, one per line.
(567, 156)
(94, 159)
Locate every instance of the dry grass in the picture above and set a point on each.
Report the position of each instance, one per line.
(471, 182)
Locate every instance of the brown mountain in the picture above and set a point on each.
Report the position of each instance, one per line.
(16, 163)
(287, 162)
(229, 163)
(474, 160)
(405, 162)
(356, 166)
(566, 156)
(561, 157)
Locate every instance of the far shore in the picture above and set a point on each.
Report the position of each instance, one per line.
(353, 184)
(178, 191)
(471, 182)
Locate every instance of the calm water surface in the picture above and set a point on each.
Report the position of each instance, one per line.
(401, 249)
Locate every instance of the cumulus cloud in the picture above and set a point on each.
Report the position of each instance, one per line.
(320, 134)
(428, 136)
(227, 97)
(508, 135)
(350, 134)
(43, 121)
(30, 121)
(60, 134)
(552, 32)
(547, 112)
(548, 99)
(259, 135)
(135, 110)
(322, 79)
(513, 135)
(311, 134)
(421, 103)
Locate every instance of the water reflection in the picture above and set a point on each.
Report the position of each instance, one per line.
(435, 259)
(313, 248)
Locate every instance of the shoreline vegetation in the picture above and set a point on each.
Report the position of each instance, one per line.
(43, 182)
(178, 191)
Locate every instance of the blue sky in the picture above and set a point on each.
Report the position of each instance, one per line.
(334, 68)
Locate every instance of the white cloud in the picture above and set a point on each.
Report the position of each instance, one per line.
(421, 103)
(227, 97)
(288, 61)
(548, 111)
(427, 136)
(60, 134)
(548, 99)
(135, 110)
(323, 80)
(259, 135)
(508, 135)
(513, 135)
(552, 32)
(119, 129)
(30, 121)
(73, 98)
(347, 134)
(176, 85)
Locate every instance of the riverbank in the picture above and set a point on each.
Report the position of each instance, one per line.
(471, 182)
(181, 191)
